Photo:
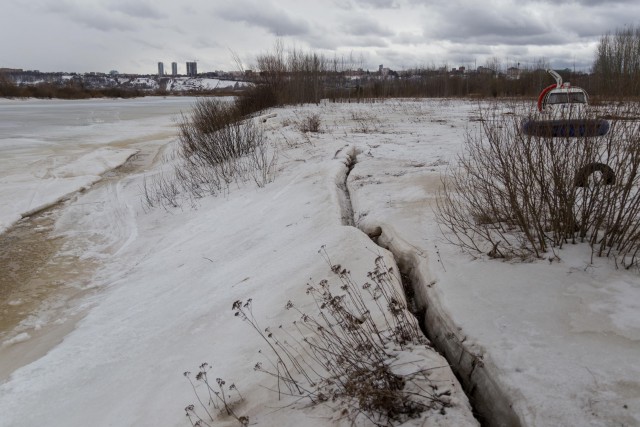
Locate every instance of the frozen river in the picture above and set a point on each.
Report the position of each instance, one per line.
(51, 149)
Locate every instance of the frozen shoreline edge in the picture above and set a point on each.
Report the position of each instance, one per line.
(67, 196)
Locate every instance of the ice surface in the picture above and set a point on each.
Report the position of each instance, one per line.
(51, 149)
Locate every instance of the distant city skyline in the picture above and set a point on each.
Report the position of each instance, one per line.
(133, 35)
(190, 66)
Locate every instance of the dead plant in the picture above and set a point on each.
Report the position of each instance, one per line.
(514, 195)
(344, 353)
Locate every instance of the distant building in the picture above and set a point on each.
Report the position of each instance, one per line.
(192, 69)
(485, 70)
(174, 68)
(161, 68)
(513, 73)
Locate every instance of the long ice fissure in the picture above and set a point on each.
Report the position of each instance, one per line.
(490, 403)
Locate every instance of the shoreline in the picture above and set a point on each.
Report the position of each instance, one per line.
(51, 290)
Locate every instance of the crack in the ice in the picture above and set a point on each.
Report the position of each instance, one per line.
(490, 403)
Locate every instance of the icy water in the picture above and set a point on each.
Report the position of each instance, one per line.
(42, 277)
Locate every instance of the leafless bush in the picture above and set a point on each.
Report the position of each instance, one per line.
(215, 134)
(344, 355)
(293, 76)
(514, 195)
(309, 123)
(365, 122)
(217, 147)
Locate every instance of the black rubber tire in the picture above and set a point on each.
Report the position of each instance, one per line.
(582, 175)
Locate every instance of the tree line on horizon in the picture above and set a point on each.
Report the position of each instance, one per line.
(295, 76)
(70, 90)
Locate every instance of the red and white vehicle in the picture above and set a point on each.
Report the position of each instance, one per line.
(561, 99)
(562, 112)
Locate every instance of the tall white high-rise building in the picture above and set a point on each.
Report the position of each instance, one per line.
(174, 68)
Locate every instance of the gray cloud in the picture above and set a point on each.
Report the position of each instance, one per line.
(131, 33)
(89, 17)
(365, 27)
(206, 42)
(275, 20)
(478, 24)
(138, 9)
(379, 4)
(590, 3)
(148, 44)
(405, 38)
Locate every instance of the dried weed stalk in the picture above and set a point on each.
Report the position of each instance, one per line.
(344, 354)
(217, 396)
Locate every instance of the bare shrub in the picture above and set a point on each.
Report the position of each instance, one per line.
(215, 133)
(344, 354)
(216, 147)
(514, 195)
(365, 122)
(310, 123)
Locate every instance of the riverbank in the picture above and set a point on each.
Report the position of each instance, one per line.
(557, 342)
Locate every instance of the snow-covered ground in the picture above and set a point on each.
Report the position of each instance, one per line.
(171, 83)
(180, 84)
(558, 343)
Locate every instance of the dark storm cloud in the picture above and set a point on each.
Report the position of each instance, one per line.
(275, 20)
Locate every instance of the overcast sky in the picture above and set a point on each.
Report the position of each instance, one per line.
(132, 36)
